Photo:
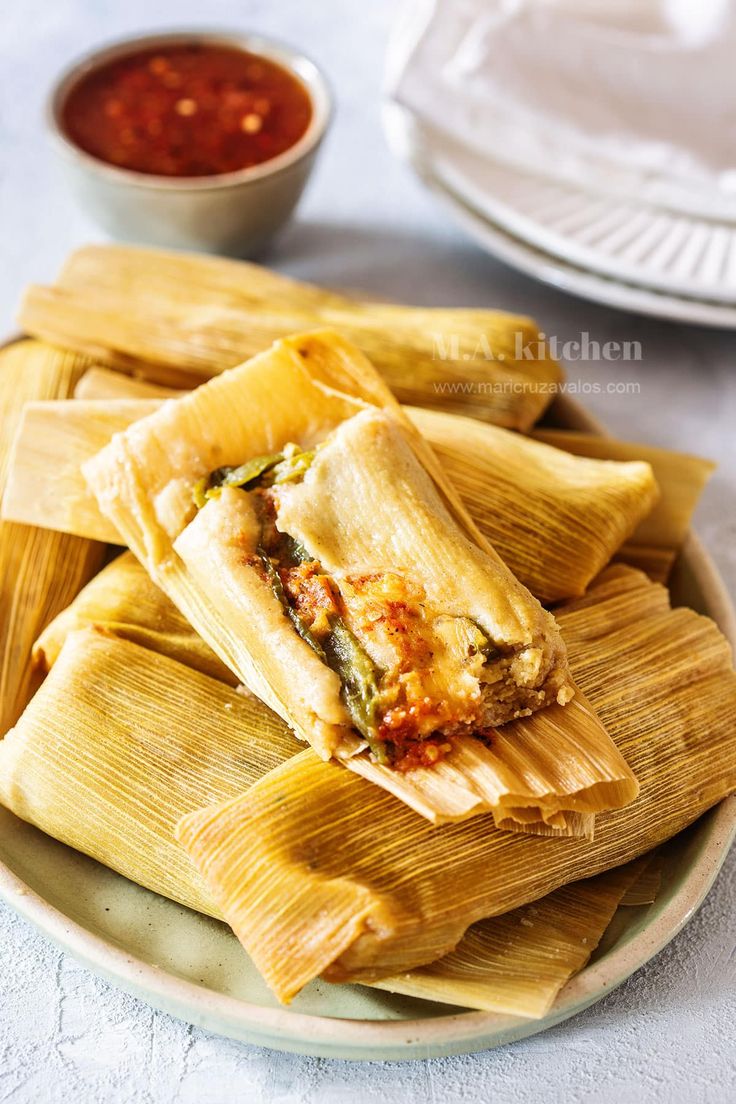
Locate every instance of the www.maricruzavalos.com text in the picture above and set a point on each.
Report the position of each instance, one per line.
(537, 387)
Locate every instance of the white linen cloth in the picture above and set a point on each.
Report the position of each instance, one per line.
(625, 97)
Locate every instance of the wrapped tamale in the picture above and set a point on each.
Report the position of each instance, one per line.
(179, 319)
(133, 739)
(555, 519)
(40, 570)
(122, 601)
(56, 491)
(680, 477)
(517, 963)
(408, 633)
(355, 905)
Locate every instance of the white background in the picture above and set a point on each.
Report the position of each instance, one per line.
(668, 1034)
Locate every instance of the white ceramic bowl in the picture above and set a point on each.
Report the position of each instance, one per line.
(236, 212)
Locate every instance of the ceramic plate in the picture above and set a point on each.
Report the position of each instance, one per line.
(194, 968)
(683, 272)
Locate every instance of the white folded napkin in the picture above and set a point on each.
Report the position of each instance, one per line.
(624, 97)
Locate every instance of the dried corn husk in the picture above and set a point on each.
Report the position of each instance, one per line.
(556, 519)
(517, 963)
(134, 740)
(178, 319)
(653, 545)
(645, 888)
(40, 571)
(122, 601)
(356, 905)
(104, 383)
(45, 479)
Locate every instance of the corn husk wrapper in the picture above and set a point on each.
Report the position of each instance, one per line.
(653, 545)
(517, 963)
(356, 905)
(644, 889)
(134, 740)
(105, 383)
(555, 519)
(122, 601)
(178, 319)
(38, 488)
(559, 772)
(40, 570)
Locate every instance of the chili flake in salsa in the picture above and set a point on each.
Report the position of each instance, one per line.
(187, 110)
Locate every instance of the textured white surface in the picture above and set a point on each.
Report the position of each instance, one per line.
(668, 1034)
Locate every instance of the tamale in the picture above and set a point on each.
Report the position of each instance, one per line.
(355, 905)
(122, 601)
(554, 518)
(40, 571)
(68, 432)
(135, 740)
(178, 319)
(653, 545)
(517, 963)
(525, 792)
(208, 561)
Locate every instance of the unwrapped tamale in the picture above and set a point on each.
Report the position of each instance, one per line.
(335, 588)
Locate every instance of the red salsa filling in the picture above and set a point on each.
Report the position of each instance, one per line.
(187, 110)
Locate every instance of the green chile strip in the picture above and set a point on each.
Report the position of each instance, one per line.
(278, 467)
(340, 651)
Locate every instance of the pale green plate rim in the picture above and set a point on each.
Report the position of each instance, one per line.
(456, 1033)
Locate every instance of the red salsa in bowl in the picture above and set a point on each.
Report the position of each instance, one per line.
(187, 110)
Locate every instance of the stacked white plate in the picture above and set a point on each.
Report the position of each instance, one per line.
(616, 248)
(635, 257)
